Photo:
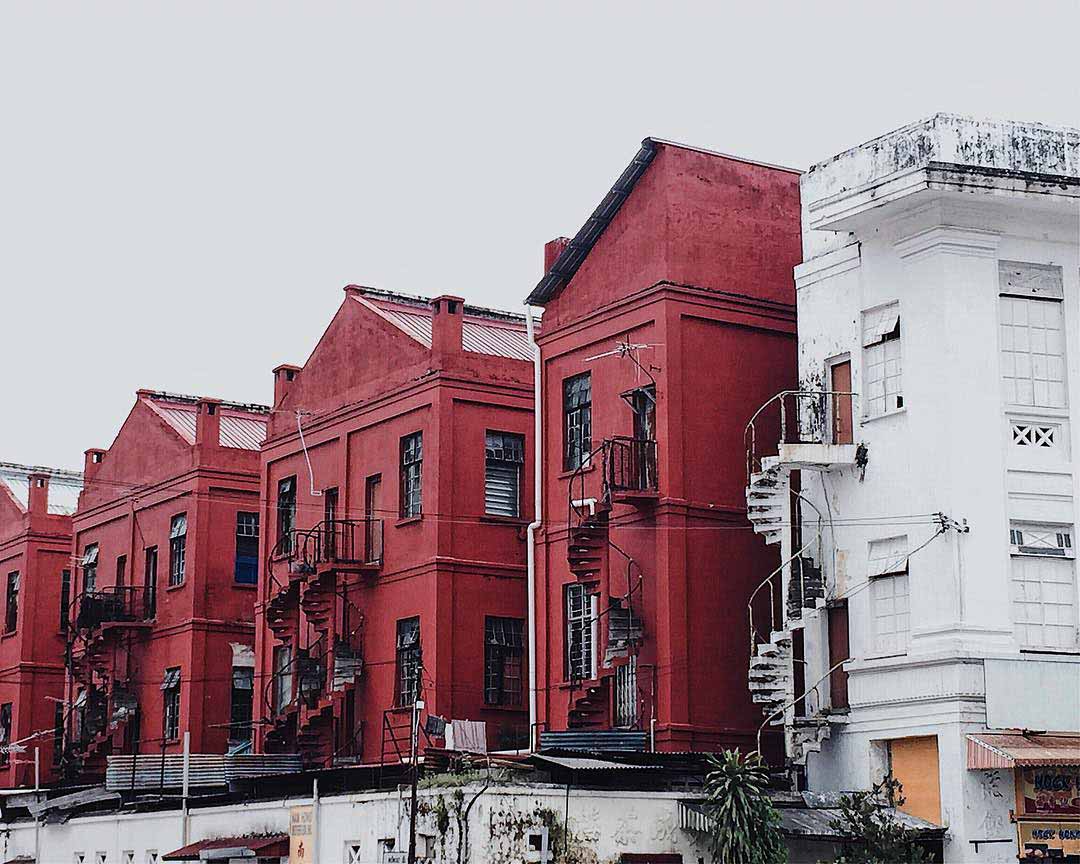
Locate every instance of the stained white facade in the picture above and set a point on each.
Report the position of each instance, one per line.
(941, 261)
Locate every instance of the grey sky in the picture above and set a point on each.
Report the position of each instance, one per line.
(185, 187)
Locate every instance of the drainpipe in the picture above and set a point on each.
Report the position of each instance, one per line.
(538, 464)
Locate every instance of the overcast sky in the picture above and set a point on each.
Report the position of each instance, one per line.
(186, 187)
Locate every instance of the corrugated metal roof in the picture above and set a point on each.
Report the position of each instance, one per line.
(64, 486)
(243, 427)
(1010, 749)
(595, 740)
(582, 763)
(483, 331)
(204, 769)
(247, 846)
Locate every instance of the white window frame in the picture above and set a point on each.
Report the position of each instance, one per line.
(1042, 562)
(882, 351)
(585, 617)
(1033, 353)
(890, 588)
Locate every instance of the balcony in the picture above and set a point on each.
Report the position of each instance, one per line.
(339, 544)
(630, 469)
(813, 429)
(114, 606)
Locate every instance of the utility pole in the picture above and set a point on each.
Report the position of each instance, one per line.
(414, 744)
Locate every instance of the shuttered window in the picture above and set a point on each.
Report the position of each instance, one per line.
(504, 458)
(882, 382)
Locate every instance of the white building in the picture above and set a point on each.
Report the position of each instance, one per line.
(938, 505)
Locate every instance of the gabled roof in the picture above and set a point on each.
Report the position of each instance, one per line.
(483, 331)
(243, 426)
(575, 252)
(64, 486)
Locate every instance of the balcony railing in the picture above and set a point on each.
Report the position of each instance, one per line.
(630, 464)
(114, 605)
(356, 542)
(799, 417)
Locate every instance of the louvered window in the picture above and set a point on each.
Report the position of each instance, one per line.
(504, 458)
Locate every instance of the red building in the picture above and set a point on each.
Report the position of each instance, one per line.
(395, 479)
(35, 568)
(166, 542)
(667, 320)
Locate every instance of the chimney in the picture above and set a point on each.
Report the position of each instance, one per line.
(446, 314)
(208, 422)
(37, 503)
(284, 376)
(552, 250)
(92, 463)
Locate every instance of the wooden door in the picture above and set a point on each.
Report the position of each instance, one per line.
(839, 649)
(842, 427)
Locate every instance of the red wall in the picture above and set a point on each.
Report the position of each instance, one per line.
(697, 264)
(32, 658)
(451, 567)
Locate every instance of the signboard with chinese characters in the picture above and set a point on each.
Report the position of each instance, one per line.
(302, 835)
(1049, 791)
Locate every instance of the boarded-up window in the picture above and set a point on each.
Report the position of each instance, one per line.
(914, 762)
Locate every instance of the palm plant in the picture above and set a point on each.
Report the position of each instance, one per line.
(745, 826)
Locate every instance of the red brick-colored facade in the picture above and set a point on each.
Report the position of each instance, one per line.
(158, 583)
(35, 554)
(355, 562)
(694, 273)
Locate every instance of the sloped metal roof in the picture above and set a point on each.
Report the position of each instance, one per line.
(987, 750)
(64, 486)
(243, 427)
(483, 331)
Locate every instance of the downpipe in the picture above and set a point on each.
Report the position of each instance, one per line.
(530, 531)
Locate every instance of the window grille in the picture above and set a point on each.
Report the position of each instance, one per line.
(580, 627)
(504, 457)
(577, 417)
(246, 571)
(1030, 435)
(1032, 352)
(412, 470)
(882, 361)
(409, 661)
(177, 549)
(504, 651)
(626, 694)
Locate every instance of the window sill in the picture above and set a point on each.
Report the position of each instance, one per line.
(409, 520)
(1053, 652)
(895, 411)
(515, 521)
(244, 586)
(507, 709)
(565, 474)
(169, 588)
(7, 634)
(584, 684)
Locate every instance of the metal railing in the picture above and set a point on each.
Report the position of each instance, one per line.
(337, 541)
(800, 417)
(630, 464)
(110, 605)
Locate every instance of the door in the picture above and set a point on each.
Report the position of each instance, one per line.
(643, 453)
(838, 650)
(842, 427)
(330, 528)
(372, 520)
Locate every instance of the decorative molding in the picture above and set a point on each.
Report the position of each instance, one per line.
(828, 265)
(949, 240)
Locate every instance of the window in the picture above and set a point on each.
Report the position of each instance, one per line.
(409, 661)
(247, 549)
(89, 565)
(150, 582)
(58, 733)
(170, 688)
(577, 421)
(121, 570)
(504, 650)
(1033, 435)
(243, 686)
(1043, 576)
(283, 678)
(504, 457)
(286, 514)
(1032, 352)
(5, 732)
(580, 633)
(65, 599)
(412, 464)
(11, 609)
(889, 601)
(177, 548)
(881, 361)
(626, 694)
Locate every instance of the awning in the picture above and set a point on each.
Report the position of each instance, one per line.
(1015, 749)
(223, 848)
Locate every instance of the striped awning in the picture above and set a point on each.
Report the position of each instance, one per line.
(988, 750)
